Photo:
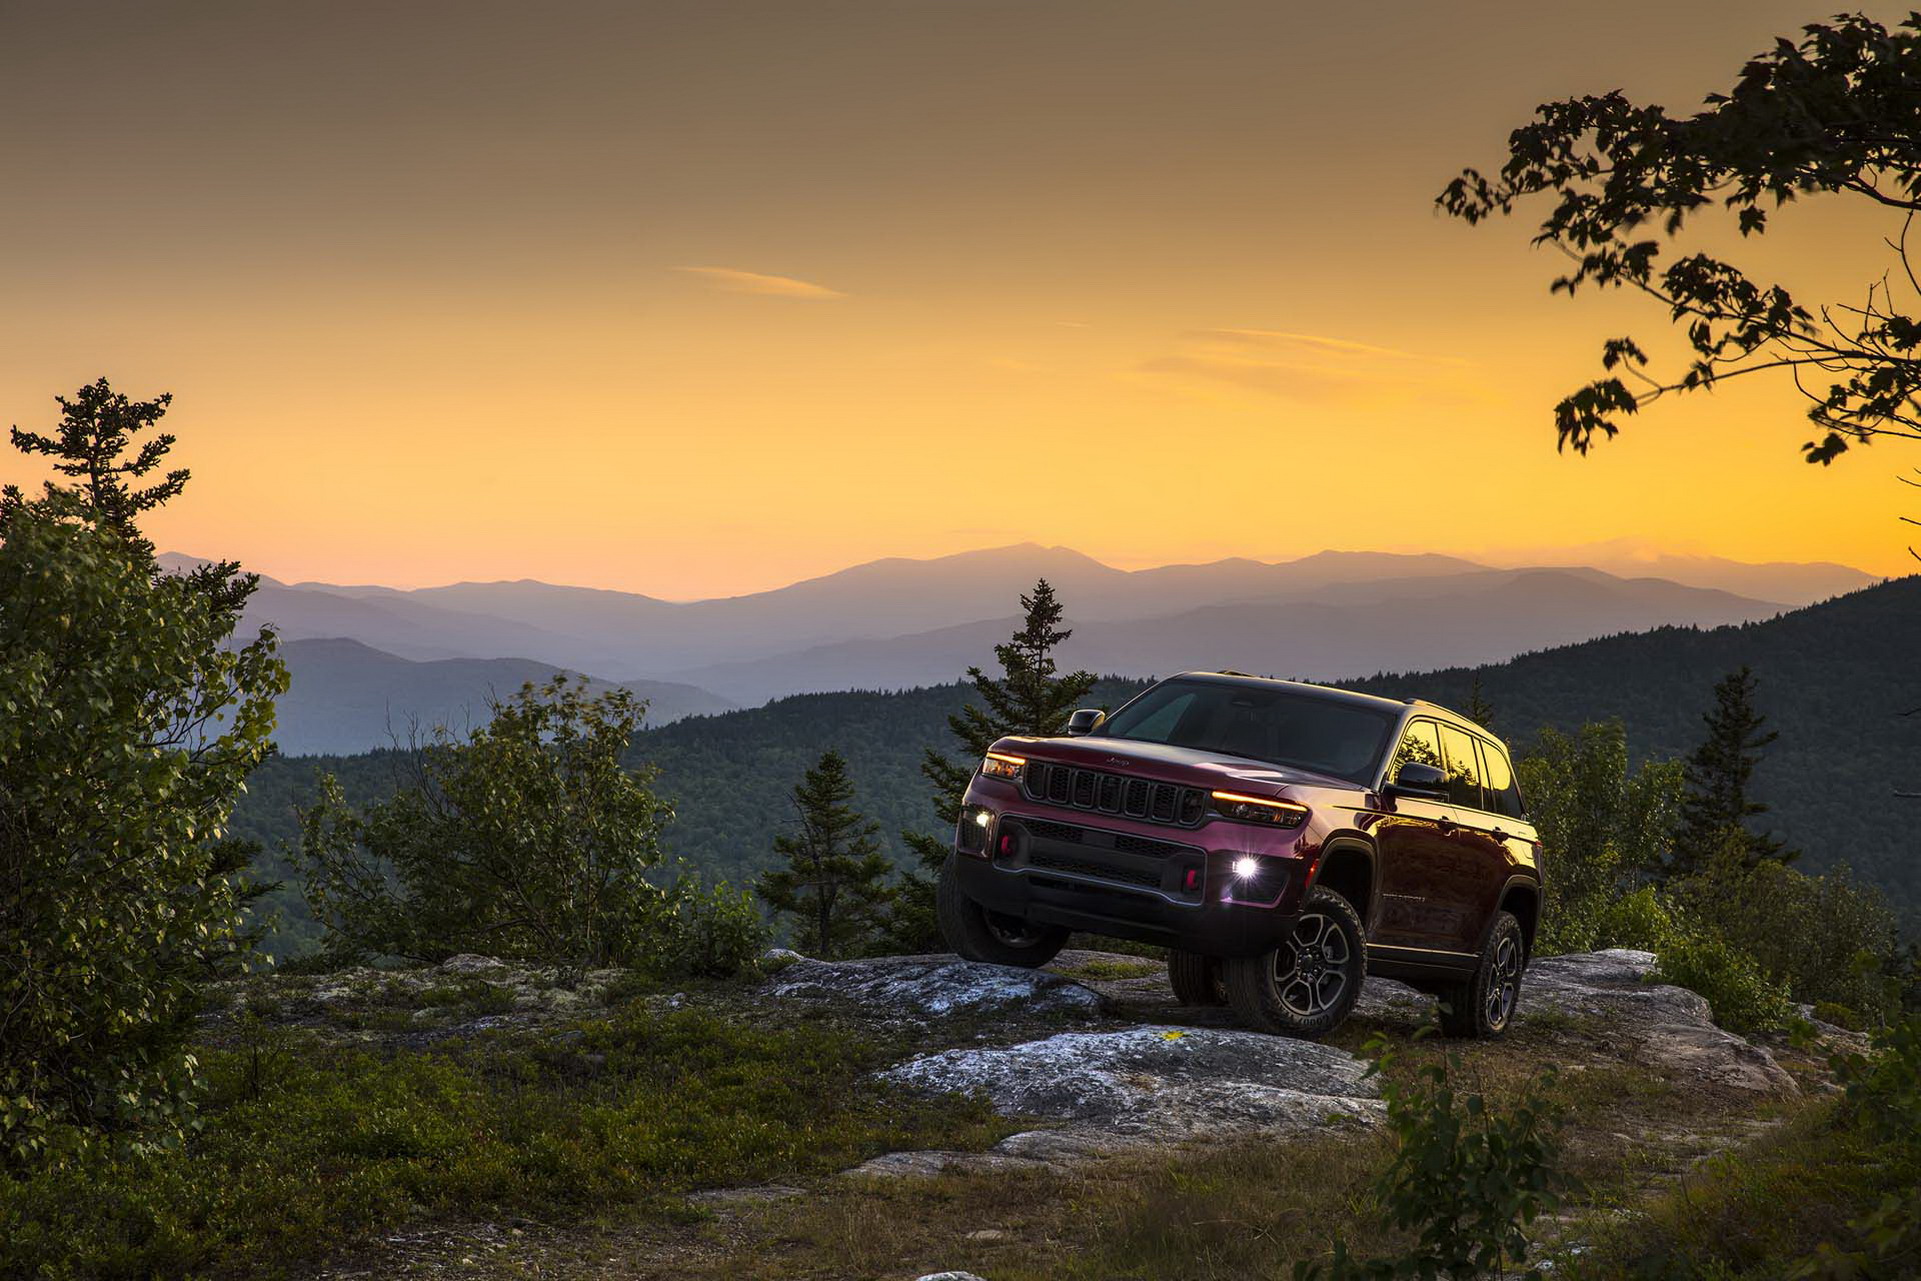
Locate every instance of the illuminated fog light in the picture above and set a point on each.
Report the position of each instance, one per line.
(1247, 868)
(983, 817)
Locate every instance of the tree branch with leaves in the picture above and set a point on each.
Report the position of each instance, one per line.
(1831, 114)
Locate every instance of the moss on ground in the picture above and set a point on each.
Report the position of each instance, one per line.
(308, 1144)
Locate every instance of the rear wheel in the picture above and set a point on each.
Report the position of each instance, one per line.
(977, 934)
(1197, 979)
(1484, 1005)
(1307, 986)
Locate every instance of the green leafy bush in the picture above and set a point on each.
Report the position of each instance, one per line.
(1468, 1178)
(1744, 999)
(527, 840)
(1604, 826)
(701, 931)
(1826, 938)
(1641, 920)
(128, 726)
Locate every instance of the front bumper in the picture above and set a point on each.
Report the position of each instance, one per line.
(1176, 887)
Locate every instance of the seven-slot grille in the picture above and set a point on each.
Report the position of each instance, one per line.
(1137, 798)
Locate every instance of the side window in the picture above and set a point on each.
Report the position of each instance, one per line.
(1463, 767)
(1503, 793)
(1418, 745)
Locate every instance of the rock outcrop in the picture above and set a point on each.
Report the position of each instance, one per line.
(1164, 1081)
(1670, 1027)
(919, 988)
(1661, 1026)
(1139, 1085)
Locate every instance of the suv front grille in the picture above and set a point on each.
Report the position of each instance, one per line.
(1099, 871)
(1104, 793)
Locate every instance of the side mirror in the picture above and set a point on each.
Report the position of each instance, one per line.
(1416, 779)
(1085, 721)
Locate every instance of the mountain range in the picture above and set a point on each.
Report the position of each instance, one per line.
(1835, 680)
(434, 654)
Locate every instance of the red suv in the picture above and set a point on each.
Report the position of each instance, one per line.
(1283, 840)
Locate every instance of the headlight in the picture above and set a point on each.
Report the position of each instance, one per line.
(999, 765)
(1256, 809)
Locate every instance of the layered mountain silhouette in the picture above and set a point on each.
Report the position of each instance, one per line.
(345, 697)
(1336, 633)
(900, 622)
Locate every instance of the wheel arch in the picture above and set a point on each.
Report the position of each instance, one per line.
(1521, 897)
(1348, 865)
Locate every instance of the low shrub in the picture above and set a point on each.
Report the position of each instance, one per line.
(1639, 920)
(1467, 1178)
(702, 931)
(1834, 1192)
(333, 1144)
(1825, 938)
(1744, 999)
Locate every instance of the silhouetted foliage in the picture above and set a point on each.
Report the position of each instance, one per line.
(833, 878)
(1830, 114)
(129, 722)
(1477, 708)
(1718, 805)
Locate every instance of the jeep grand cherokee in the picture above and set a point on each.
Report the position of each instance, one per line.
(1282, 840)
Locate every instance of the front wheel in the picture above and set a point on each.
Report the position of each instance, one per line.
(977, 934)
(1307, 986)
(1484, 1005)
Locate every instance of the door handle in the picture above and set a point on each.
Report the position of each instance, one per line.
(1446, 825)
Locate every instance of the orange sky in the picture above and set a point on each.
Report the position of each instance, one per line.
(694, 299)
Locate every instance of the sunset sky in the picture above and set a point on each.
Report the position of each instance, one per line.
(700, 298)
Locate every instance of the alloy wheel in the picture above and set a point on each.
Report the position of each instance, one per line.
(1311, 971)
(1504, 984)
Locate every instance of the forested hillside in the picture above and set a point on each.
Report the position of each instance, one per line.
(1835, 679)
(1838, 680)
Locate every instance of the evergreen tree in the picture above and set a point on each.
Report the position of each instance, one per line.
(133, 717)
(1717, 806)
(1027, 698)
(834, 883)
(91, 447)
(1478, 709)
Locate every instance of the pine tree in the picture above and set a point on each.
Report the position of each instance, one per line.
(91, 446)
(1717, 806)
(1027, 698)
(1478, 709)
(834, 883)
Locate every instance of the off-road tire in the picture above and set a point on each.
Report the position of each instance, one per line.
(977, 934)
(1484, 1006)
(1197, 979)
(1292, 990)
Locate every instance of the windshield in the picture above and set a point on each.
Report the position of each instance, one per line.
(1279, 726)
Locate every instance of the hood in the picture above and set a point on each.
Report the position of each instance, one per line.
(1166, 762)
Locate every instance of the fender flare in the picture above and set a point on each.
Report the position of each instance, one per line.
(1365, 848)
(1533, 885)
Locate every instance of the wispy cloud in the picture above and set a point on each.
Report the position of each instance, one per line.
(1279, 340)
(1307, 367)
(729, 280)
